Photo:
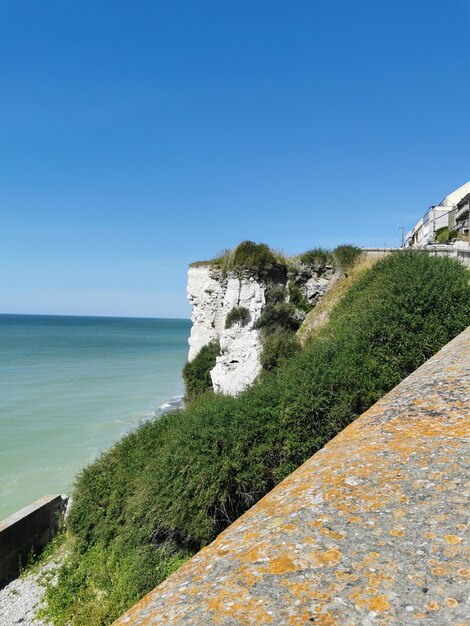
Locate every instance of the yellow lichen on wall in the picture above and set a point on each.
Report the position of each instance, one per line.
(370, 530)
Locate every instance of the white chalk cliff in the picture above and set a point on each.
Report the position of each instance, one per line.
(213, 295)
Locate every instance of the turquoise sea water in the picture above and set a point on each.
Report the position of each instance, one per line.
(70, 387)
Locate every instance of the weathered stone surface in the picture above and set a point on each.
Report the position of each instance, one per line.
(315, 282)
(27, 530)
(205, 293)
(213, 296)
(370, 531)
(239, 364)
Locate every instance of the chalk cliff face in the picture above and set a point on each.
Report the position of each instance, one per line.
(213, 295)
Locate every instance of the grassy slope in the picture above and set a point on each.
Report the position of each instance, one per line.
(172, 485)
(318, 317)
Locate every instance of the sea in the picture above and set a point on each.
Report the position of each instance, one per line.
(72, 386)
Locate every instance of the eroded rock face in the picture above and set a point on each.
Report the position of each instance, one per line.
(213, 296)
(314, 282)
(205, 293)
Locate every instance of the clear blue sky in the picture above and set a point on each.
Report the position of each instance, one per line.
(136, 137)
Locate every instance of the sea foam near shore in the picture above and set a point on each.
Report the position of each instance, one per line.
(172, 405)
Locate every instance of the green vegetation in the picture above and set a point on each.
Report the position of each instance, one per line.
(237, 314)
(297, 298)
(346, 256)
(257, 258)
(278, 323)
(261, 260)
(36, 560)
(342, 257)
(275, 293)
(279, 316)
(444, 235)
(169, 487)
(196, 374)
(318, 317)
(317, 257)
(277, 347)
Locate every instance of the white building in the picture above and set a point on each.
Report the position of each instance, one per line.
(452, 211)
(459, 217)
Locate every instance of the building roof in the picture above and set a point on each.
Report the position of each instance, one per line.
(456, 196)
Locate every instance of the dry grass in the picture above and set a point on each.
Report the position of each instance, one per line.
(319, 315)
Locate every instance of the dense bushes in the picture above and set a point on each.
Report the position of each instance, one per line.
(196, 374)
(442, 234)
(172, 485)
(257, 257)
(275, 293)
(277, 347)
(277, 325)
(279, 316)
(297, 298)
(345, 256)
(316, 257)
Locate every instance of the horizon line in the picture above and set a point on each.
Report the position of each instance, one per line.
(98, 316)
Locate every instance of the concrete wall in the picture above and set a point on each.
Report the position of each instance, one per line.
(370, 531)
(379, 251)
(459, 251)
(462, 254)
(30, 529)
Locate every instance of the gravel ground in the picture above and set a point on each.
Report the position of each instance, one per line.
(20, 599)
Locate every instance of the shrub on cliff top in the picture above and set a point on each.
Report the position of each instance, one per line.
(316, 257)
(172, 485)
(346, 256)
(257, 257)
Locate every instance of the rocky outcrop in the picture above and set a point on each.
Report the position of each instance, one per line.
(205, 295)
(213, 294)
(313, 282)
(239, 363)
